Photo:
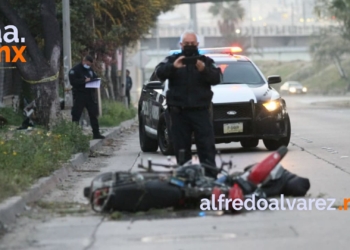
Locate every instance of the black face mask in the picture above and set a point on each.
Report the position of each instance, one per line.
(190, 50)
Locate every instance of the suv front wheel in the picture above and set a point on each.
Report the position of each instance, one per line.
(164, 141)
(275, 144)
(147, 144)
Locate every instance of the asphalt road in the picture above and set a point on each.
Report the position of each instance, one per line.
(319, 150)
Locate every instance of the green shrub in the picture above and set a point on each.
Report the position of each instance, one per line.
(12, 117)
(113, 113)
(26, 156)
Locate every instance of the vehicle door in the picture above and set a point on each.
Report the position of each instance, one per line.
(145, 105)
(156, 101)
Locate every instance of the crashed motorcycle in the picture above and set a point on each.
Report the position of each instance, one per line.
(185, 186)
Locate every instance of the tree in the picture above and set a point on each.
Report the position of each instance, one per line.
(334, 42)
(336, 10)
(329, 45)
(231, 14)
(122, 23)
(42, 54)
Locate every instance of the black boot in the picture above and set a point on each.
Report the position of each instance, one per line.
(98, 136)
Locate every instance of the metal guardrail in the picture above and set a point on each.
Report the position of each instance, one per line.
(262, 31)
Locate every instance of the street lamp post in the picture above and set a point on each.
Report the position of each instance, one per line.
(67, 56)
(158, 40)
(251, 27)
(193, 17)
(123, 76)
(142, 67)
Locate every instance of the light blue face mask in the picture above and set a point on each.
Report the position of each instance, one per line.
(86, 66)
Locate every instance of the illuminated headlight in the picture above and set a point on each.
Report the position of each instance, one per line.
(293, 90)
(272, 105)
(304, 89)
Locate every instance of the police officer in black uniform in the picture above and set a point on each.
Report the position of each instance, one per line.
(83, 97)
(189, 99)
(128, 86)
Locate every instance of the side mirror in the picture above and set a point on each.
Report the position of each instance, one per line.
(154, 85)
(274, 79)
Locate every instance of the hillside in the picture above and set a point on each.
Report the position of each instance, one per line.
(318, 80)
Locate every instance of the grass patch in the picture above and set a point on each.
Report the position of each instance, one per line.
(113, 113)
(283, 69)
(287, 70)
(327, 80)
(26, 156)
(12, 117)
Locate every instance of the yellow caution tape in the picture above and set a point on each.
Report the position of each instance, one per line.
(48, 79)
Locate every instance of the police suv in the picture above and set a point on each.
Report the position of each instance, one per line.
(245, 108)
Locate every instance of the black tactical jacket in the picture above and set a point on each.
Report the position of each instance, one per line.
(187, 86)
(77, 76)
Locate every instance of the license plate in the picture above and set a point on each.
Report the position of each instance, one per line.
(233, 128)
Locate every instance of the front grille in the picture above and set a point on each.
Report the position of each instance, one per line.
(244, 110)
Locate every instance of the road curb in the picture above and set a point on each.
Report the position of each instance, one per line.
(13, 207)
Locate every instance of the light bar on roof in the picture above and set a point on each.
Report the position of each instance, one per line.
(222, 50)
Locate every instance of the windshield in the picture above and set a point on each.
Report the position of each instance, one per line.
(295, 84)
(240, 72)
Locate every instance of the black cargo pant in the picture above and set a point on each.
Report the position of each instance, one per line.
(128, 96)
(183, 122)
(86, 100)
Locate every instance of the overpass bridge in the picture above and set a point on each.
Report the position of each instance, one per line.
(274, 42)
(165, 37)
(270, 42)
(264, 36)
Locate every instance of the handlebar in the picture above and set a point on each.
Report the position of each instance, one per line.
(174, 166)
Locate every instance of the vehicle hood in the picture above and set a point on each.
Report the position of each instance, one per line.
(296, 87)
(226, 93)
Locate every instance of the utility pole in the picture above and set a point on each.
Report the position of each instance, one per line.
(292, 16)
(67, 54)
(141, 66)
(292, 6)
(123, 80)
(304, 13)
(158, 40)
(193, 17)
(251, 27)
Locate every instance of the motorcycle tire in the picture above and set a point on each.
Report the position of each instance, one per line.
(143, 196)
